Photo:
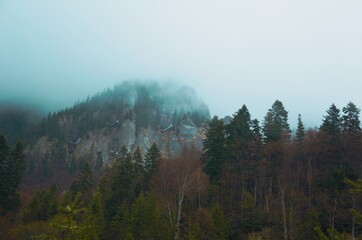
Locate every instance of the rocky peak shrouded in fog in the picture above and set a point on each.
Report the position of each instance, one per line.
(132, 114)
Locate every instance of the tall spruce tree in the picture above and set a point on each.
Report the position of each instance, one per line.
(152, 158)
(276, 124)
(83, 184)
(350, 120)
(255, 125)
(332, 122)
(219, 227)
(138, 162)
(241, 164)
(4, 159)
(214, 151)
(116, 183)
(11, 169)
(300, 130)
(239, 130)
(351, 137)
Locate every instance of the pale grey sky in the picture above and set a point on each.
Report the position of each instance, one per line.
(306, 53)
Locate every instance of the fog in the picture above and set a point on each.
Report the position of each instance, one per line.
(308, 54)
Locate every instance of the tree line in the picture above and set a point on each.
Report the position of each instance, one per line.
(282, 182)
(250, 180)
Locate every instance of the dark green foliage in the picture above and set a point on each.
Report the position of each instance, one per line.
(142, 220)
(83, 184)
(239, 131)
(4, 162)
(251, 219)
(119, 183)
(146, 221)
(331, 128)
(332, 234)
(239, 135)
(43, 205)
(275, 124)
(152, 159)
(84, 181)
(94, 218)
(67, 225)
(350, 119)
(356, 188)
(256, 129)
(138, 162)
(120, 224)
(18, 122)
(300, 130)
(332, 122)
(214, 151)
(12, 167)
(219, 228)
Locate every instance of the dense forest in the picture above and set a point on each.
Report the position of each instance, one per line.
(251, 180)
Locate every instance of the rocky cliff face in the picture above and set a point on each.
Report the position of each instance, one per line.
(96, 134)
(108, 142)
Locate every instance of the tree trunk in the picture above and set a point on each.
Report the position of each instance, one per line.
(291, 218)
(284, 213)
(255, 184)
(353, 220)
(199, 201)
(309, 180)
(178, 218)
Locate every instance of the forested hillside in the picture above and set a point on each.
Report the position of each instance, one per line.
(18, 122)
(132, 114)
(250, 179)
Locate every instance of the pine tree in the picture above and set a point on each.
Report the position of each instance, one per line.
(94, 219)
(214, 150)
(241, 164)
(350, 119)
(146, 221)
(118, 184)
(333, 234)
(257, 139)
(331, 127)
(11, 169)
(300, 130)
(351, 137)
(128, 166)
(152, 159)
(239, 130)
(68, 225)
(43, 205)
(138, 162)
(256, 129)
(332, 122)
(122, 154)
(4, 161)
(120, 225)
(219, 227)
(276, 124)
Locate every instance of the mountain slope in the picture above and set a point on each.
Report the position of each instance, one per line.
(132, 114)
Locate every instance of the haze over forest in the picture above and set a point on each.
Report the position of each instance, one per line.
(227, 120)
(308, 54)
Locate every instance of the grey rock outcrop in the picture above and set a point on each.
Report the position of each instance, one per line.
(107, 142)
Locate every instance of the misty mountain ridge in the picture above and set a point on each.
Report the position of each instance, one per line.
(132, 115)
(17, 119)
(145, 103)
